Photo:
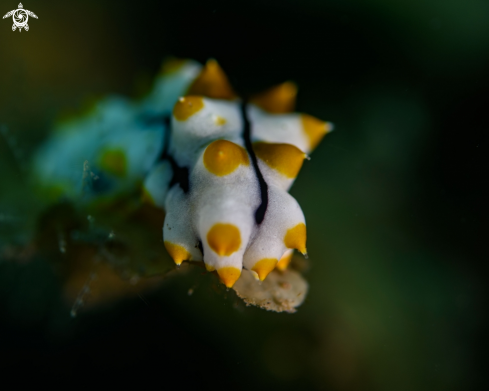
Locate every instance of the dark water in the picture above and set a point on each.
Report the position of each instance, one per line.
(395, 198)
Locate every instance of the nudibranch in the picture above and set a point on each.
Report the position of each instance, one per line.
(219, 166)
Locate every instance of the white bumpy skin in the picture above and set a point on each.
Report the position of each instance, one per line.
(234, 162)
(220, 168)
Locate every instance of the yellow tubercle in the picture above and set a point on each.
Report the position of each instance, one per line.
(296, 238)
(285, 158)
(284, 262)
(263, 267)
(314, 129)
(209, 268)
(114, 161)
(187, 106)
(224, 239)
(222, 157)
(277, 100)
(177, 252)
(229, 275)
(219, 121)
(212, 82)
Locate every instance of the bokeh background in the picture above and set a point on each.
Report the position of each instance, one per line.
(395, 198)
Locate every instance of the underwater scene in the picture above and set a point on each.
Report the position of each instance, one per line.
(248, 195)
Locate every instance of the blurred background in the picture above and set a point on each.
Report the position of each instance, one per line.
(395, 198)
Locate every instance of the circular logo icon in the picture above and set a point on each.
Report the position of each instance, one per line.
(20, 17)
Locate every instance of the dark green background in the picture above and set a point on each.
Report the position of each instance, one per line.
(395, 198)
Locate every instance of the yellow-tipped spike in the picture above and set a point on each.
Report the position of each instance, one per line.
(284, 262)
(263, 267)
(177, 252)
(229, 275)
(296, 238)
(222, 157)
(278, 99)
(209, 268)
(187, 106)
(315, 129)
(224, 239)
(212, 82)
(285, 158)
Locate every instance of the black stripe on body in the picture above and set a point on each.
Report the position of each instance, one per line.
(180, 174)
(261, 210)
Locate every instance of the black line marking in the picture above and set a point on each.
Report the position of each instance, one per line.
(180, 174)
(261, 210)
(201, 248)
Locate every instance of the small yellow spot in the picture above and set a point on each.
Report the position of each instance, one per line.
(279, 99)
(285, 158)
(212, 82)
(114, 161)
(172, 65)
(177, 252)
(219, 121)
(229, 275)
(222, 157)
(284, 262)
(315, 129)
(264, 267)
(209, 268)
(296, 238)
(146, 197)
(187, 106)
(224, 239)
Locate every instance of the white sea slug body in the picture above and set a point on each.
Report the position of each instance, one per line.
(219, 166)
(228, 203)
